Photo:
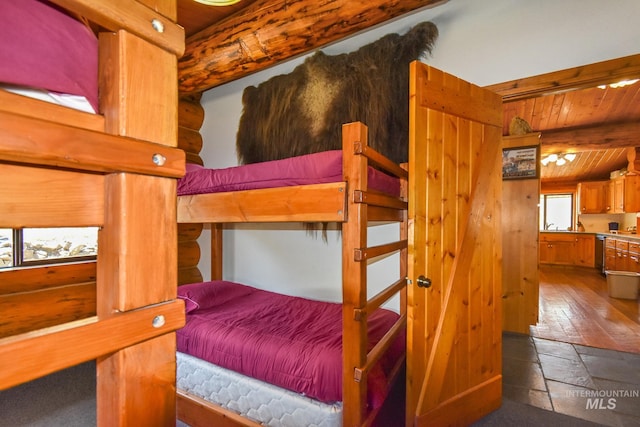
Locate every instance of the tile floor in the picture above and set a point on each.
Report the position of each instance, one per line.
(601, 386)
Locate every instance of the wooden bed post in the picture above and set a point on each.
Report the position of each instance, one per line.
(354, 279)
(137, 262)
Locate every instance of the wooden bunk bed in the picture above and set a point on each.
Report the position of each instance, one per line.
(355, 206)
(116, 170)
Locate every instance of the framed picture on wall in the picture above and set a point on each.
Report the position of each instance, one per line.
(520, 162)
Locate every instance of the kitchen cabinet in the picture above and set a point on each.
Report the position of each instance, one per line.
(567, 249)
(622, 254)
(610, 254)
(593, 197)
(616, 195)
(634, 256)
(631, 193)
(585, 250)
(624, 194)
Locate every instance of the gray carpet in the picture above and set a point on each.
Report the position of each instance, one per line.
(513, 413)
(67, 398)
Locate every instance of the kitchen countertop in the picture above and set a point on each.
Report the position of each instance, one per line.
(624, 234)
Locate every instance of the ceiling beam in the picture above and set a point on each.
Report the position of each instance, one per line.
(269, 31)
(586, 76)
(591, 138)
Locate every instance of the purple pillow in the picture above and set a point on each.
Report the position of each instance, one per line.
(44, 48)
(199, 296)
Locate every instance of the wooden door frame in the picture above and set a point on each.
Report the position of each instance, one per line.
(585, 76)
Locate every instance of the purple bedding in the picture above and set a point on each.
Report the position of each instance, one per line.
(314, 168)
(41, 47)
(291, 342)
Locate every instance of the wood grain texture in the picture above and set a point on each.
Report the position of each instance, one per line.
(190, 119)
(147, 101)
(17, 104)
(39, 197)
(28, 311)
(115, 184)
(270, 31)
(308, 203)
(454, 342)
(575, 307)
(198, 412)
(52, 144)
(520, 227)
(45, 351)
(43, 277)
(575, 115)
(136, 18)
(137, 259)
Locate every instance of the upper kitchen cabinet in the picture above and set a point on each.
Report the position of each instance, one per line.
(593, 197)
(616, 195)
(632, 193)
(624, 194)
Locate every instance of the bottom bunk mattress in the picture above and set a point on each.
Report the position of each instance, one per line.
(291, 342)
(253, 399)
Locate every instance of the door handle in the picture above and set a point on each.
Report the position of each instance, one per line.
(424, 282)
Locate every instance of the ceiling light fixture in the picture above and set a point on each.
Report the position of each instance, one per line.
(622, 83)
(558, 159)
(218, 2)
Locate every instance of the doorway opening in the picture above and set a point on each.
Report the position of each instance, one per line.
(608, 140)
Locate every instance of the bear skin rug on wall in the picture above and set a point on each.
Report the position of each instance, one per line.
(303, 112)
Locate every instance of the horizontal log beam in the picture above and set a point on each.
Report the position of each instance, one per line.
(44, 277)
(586, 76)
(269, 31)
(591, 138)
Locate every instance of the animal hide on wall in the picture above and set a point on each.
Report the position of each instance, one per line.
(303, 112)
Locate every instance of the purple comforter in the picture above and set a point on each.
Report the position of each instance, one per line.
(314, 168)
(291, 342)
(43, 47)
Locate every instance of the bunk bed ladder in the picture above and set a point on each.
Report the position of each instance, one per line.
(363, 207)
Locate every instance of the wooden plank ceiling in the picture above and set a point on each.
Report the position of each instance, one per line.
(598, 124)
(230, 42)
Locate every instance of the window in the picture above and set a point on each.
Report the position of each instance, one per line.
(556, 211)
(30, 246)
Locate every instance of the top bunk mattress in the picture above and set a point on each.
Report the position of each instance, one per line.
(316, 168)
(43, 49)
(291, 342)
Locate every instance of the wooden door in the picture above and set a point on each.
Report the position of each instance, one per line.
(454, 325)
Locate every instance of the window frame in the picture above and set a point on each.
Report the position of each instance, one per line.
(542, 210)
(18, 254)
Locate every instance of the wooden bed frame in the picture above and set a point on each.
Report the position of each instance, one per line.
(116, 171)
(349, 203)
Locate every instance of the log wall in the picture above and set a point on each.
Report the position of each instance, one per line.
(40, 297)
(190, 118)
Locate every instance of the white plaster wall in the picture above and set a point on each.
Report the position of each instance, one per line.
(484, 42)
